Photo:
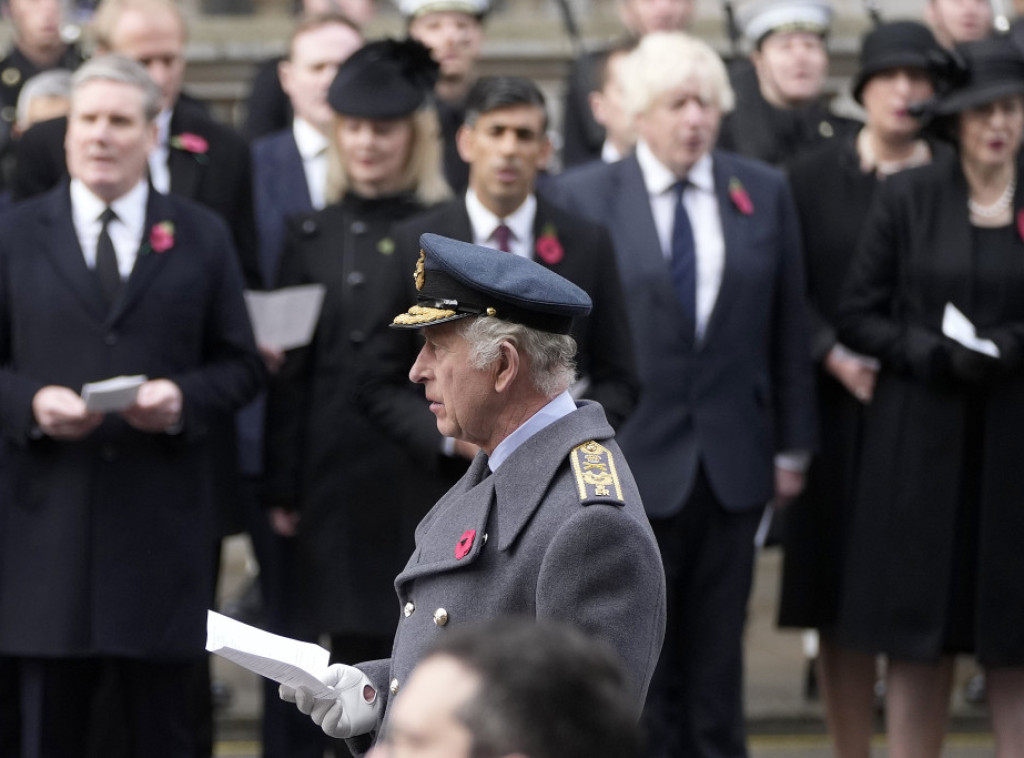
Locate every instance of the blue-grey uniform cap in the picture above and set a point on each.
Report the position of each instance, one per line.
(457, 279)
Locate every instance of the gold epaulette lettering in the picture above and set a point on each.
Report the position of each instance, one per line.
(597, 481)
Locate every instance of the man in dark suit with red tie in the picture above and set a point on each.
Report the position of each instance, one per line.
(108, 516)
(504, 141)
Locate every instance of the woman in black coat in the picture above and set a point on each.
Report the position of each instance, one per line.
(833, 187)
(350, 494)
(935, 563)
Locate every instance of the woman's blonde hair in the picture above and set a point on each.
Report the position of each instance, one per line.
(423, 174)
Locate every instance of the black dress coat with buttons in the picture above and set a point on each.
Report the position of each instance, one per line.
(105, 540)
(358, 491)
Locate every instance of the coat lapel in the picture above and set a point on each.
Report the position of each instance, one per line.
(734, 234)
(147, 262)
(61, 244)
(184, 167)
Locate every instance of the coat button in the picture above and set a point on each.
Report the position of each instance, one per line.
(308, 226)
(356, 278)
(357, 336)
(110, 339)
(440, 617)
(358, 227)
(108, 452)
(394, 687)
(409, 608)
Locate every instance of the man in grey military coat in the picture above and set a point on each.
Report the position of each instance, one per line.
(547, 522)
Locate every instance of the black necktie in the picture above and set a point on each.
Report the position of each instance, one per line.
(684, 254)
(106, 260)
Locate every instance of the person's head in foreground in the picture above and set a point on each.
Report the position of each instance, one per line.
(496, 337)
(513, 687)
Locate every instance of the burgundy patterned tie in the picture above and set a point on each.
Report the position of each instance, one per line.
(502, 235)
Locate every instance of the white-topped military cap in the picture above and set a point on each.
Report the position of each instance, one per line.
(413, 8)
(763, 17)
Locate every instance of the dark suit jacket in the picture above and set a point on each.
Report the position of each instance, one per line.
(107, 539)
(745, 391)
(605, 349)
(221, 179)
(279, 191)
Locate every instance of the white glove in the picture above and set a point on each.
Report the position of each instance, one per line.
(353, 709)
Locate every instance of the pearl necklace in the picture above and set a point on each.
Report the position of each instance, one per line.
(999, 207)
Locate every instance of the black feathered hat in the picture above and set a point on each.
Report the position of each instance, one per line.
(383, 80)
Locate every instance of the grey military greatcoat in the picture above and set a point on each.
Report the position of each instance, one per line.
(558, 531)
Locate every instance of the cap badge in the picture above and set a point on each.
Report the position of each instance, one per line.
(419, 275)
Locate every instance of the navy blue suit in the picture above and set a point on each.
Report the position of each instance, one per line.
(280, 190)
(711, 417)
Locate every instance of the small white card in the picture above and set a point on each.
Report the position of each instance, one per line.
(112, 395)
(286, 661)
(958, 327)
(285, 318)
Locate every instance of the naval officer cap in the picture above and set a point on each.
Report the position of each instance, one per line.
(763, 17)
(455, 280)
(413, 8)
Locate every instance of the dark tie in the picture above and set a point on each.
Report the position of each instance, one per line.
(106, 260)
(502, 235)
(684, 254)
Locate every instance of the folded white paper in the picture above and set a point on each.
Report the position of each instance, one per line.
(112, 395)
(286, 661)
(957, 326)
(285, 318)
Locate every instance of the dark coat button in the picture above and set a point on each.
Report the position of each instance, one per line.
(111, 338)
(358, 227)
(356, 278)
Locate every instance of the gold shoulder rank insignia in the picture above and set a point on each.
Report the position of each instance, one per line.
(596, 478)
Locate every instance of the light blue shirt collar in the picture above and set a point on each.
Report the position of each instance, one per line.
(561, 406)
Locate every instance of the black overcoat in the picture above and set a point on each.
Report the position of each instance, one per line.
(106, 540)
(915, 257)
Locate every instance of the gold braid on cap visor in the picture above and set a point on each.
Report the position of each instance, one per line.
(421, 314)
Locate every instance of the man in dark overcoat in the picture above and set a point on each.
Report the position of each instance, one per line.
(547, 522)
(108, 517)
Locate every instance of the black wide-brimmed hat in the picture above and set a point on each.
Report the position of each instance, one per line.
(383, 80)
(900, 44)
(456, 280)
(993, 69)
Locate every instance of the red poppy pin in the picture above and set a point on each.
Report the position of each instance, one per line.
(549, 249)
(161, 237)
(191, 143)
(1020, 223)
(465, 544)
(740, 198)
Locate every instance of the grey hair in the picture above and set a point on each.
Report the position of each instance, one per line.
(664, 61)
(552, 356)
(114, 67)
(53, 83)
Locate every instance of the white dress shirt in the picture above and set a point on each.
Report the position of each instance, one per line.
(159, 172)
(702, 207)
(125, 232)
(313, 150)
(520, 222)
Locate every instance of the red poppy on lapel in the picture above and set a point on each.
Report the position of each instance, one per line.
(548, 248)
(161, 237)
(1020, 223)
(465, 544)
(740, 198)
(191, 143)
